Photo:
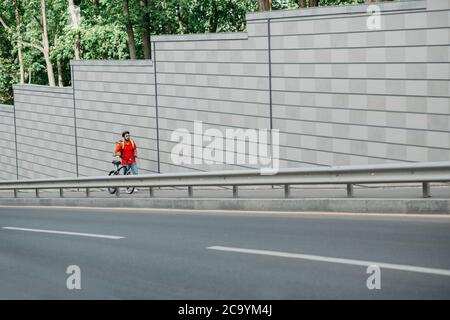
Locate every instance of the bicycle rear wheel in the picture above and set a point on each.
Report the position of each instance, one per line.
(129, 190)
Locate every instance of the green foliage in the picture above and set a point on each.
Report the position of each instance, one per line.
(103, 32)
(104, 42)
(8, 70)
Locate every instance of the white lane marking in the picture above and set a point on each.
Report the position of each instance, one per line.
(441, 272)
(92, 235)
(242, 212)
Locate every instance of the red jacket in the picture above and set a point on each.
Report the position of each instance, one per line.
(127, 151)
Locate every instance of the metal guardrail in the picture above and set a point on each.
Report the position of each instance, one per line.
(424, 173)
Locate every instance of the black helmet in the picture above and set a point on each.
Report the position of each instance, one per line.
(124, 133)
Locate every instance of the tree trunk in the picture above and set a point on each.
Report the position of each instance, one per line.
(313, 3)
(19, 44)
(77, 46)
(46, 47)
(21, 67)
(265, 5)
(213, 21)
(58, 63)
(95, 3)
(130, 32)
(75, 17)
(180, 19)
(60, 73)
(302, 3)
(145, 32)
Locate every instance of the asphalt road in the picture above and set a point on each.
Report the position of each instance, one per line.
(159, 254)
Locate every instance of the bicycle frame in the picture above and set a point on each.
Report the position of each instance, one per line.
(118, 169)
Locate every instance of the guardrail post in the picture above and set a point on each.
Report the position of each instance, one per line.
(88, 192)
(349, 190)
(117, 192)
(235, 192)
(151, 192)
(190, 192)
(15, 193)
(426, 190)
(287, 191)
(37, 193)
(61, 192)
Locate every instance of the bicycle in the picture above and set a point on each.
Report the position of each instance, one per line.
(120, 169)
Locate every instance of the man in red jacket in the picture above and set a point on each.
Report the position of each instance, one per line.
(126, 149)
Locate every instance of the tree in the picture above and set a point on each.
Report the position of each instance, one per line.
(19, 44)
(43, 47)
(14, 34)
(145, 29)
(8, 65)
(74, 10)
(130, 32)
(46, 46)
(264, 5)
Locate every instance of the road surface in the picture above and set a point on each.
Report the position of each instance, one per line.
(165, 254)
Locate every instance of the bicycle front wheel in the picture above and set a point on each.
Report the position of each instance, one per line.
(112, 190)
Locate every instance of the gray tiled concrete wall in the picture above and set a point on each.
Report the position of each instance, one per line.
(8, 169)
(45, 131)
(339, 93)
(111, 97)
(346, 95)
(219, 79)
